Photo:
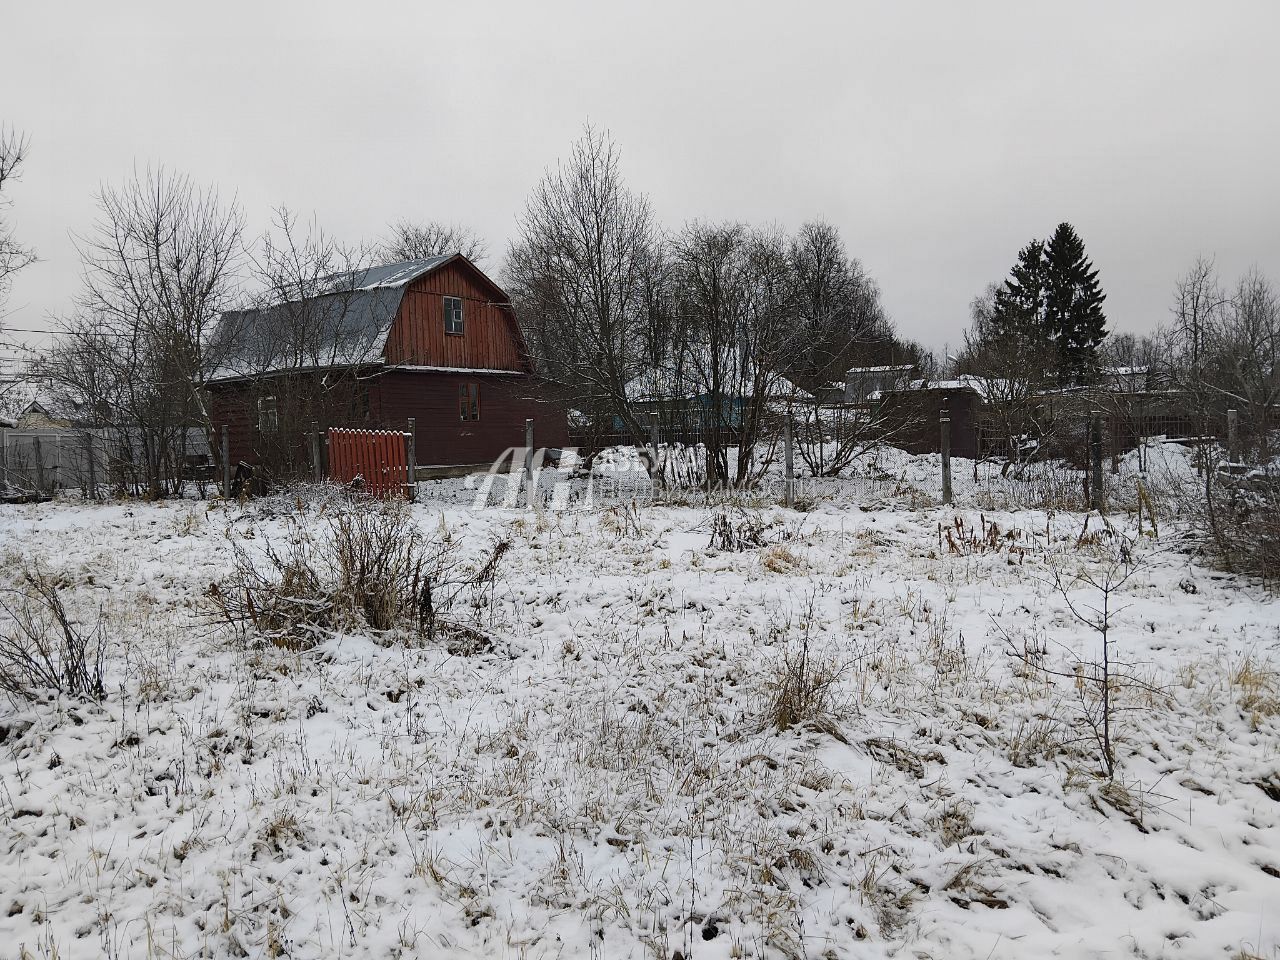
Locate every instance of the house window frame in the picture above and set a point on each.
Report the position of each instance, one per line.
(454, 320)
(468, 402)
(268, 414)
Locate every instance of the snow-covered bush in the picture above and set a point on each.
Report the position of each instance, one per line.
(1244, 529)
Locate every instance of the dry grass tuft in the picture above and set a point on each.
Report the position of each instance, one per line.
(803, 687)
(1257, 686)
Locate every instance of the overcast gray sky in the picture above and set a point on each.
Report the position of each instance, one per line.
(939, 137)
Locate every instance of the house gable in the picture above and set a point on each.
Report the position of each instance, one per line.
(491, 338)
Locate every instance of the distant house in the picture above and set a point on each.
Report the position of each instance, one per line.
(682, 403)
(435, 340)
(866, 383)
(38, 415)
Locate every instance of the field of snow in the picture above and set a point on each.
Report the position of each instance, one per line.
(614, 775)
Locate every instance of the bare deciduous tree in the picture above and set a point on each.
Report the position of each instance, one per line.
(838, 313)
(159, 267)
(420, 241)
(297, 352)
(1015, 369)
(13, 255)
(1244, 361)
(734, 303)
(581, 272)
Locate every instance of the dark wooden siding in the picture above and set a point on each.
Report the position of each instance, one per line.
(301, 400)
(388, 401)
(431, 398)
(912, 418)
(491, 340)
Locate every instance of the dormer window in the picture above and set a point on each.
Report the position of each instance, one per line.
(453, 316)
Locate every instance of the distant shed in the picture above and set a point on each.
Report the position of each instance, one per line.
(912, 415)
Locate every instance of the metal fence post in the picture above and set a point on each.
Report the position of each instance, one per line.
(653, 445)
(788, 463)
(944, 424)
(93, 475)
(39, 463)
(412, 452)
(226, 463)
(1095, 456)
(528, 458)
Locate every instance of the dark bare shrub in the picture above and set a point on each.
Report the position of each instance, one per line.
(734, 530)
(371, 567)
(43, 650)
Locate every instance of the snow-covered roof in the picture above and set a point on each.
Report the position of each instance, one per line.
(984, 387)
(783, 389)
(659, 384)
(388, 275)
(854, 372)
(1138, 371)
(345, 324)
(664, 385)
(979, 385)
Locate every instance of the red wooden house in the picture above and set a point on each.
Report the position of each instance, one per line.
(434, 340)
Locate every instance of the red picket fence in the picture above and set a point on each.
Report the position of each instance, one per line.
(379, 458)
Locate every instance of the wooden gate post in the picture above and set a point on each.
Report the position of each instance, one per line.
(944, 423)
(411, 468)
(226, 463)
(313, 442)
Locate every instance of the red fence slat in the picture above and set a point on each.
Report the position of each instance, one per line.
(379, 457)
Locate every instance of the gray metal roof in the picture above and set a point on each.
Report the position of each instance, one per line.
(392, 275)
(346, 325)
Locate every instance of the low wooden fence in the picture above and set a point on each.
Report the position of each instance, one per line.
(379, 461)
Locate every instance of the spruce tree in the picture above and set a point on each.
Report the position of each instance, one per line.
(1073, 306)
(1020, 304)
(1018, 335)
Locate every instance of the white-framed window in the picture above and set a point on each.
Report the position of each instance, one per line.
(453, 316)
(268, 417)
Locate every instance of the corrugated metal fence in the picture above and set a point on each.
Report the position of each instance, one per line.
(42, 461)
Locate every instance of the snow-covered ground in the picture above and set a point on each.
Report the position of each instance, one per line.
(609, 779)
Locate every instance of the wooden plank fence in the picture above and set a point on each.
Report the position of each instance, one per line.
(378, 459)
